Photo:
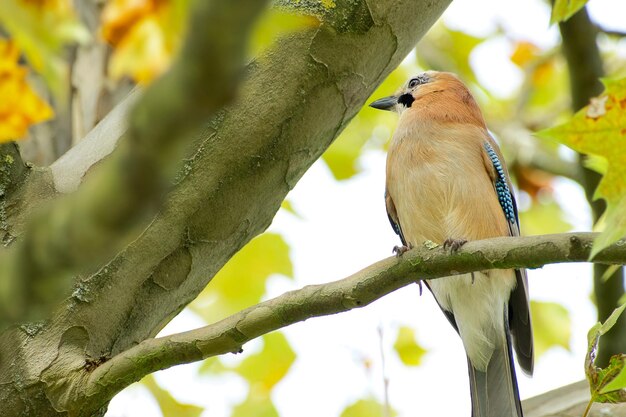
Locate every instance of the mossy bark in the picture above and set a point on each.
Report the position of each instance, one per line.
(293, 103)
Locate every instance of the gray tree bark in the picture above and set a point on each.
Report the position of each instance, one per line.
(130, 270)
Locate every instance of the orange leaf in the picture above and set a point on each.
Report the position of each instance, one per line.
(20, 106)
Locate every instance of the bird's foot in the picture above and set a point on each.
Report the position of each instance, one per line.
(454, 244)
(419, 284)
(399, 250)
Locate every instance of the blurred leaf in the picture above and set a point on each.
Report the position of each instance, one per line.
(170, 407)
(596, 163)
(564, 9)
(341, 157)
(275, 23)
(542, 218)
(41, 29)
(600, 129)
(552, 326)
(286, 205)
(532, 181)
(255, 406)
(212, 365)
(265, 369)
(369, 407)
(145, 35)
(610, 270)
(524, 52)
(545, 91)
(20, 107)
(445, 49)
(408, 350)
(606, 384)
(241, 282)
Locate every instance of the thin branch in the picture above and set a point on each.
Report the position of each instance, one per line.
(357, 290)
(611, 32)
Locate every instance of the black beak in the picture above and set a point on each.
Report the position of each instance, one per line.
(385, 103)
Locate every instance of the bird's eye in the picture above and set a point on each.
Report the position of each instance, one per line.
(414, 82)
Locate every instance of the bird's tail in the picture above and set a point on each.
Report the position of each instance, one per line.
(494, 392)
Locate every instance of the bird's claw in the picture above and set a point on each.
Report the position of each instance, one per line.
(454, 244)
(399, 250)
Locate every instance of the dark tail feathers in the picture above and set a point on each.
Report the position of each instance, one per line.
(494, 393)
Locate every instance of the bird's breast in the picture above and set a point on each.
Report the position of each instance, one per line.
(440, 186)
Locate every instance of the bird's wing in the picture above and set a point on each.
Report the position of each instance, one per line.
(519, 314)
(392, 214)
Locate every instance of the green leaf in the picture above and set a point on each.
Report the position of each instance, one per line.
(263, 370)
(409, 351)
(170, 407)
(564, 9)
(542, 218)
(610, 270)
(275, 23)
(266, 368)
(600, 129)
(368, 407)
(446, 49)
(255, 406)
(606, 384)
(617, 370)
(286, 205)
(552, 326)
(342, 155)
(241, 282)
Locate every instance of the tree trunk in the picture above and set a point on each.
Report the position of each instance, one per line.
(585, 69)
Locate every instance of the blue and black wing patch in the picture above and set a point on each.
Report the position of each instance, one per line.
(505, 197)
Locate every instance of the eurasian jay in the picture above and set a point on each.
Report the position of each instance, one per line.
(446, 182)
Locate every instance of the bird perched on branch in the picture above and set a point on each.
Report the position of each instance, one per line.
(447, 183)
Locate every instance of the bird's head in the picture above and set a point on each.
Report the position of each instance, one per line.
(438, 95)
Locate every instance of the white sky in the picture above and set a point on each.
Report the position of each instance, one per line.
(345, 228)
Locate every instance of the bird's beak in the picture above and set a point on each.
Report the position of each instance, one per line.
(385, 103)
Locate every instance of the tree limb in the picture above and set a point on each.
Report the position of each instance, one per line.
(355, 291)
(82, 230)
(292, 104)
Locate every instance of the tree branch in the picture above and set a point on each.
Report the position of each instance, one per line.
(84, 229)
(293, 102)
(355, 291)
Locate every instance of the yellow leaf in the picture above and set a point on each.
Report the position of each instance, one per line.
(408, 350)
(564, 9)
(275, 23)
(543, 217)
(241, 282)
(342, 155)
(600, 129)
(524, 53)
(551, 326)
(255, 405)
(145, 35)
(20, 107)
(266, 368)
(41, 29)
(368, 407)
(169, 406)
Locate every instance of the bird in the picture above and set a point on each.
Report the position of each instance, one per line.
(446, 182)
